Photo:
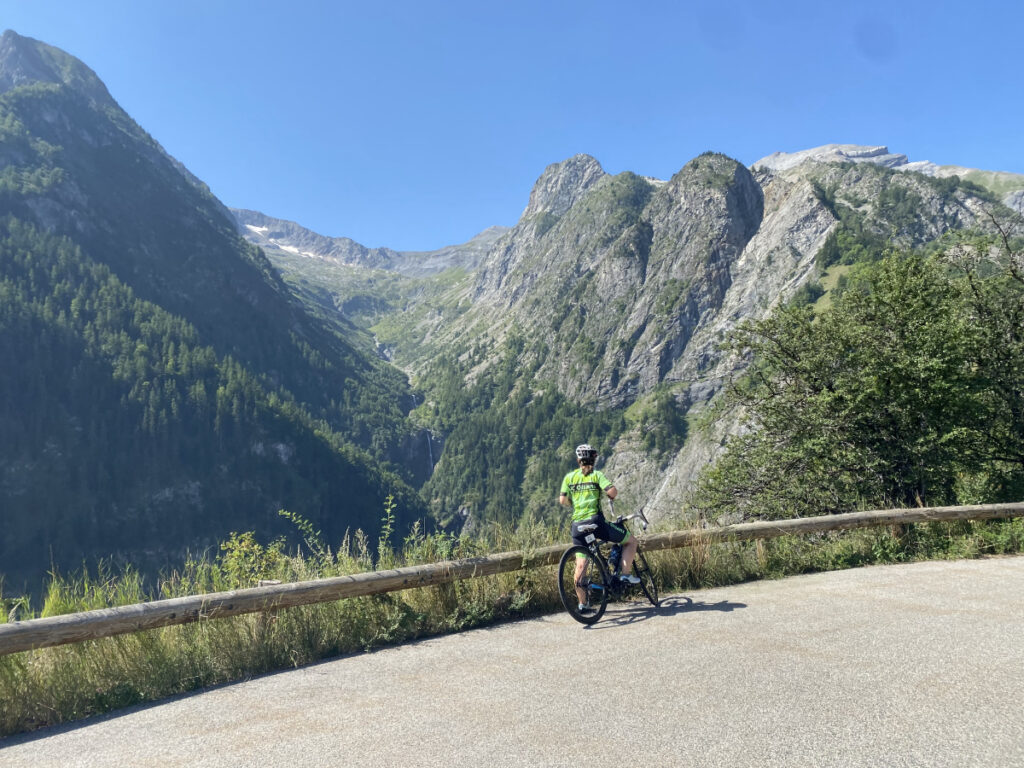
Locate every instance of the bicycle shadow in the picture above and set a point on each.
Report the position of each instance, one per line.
(622, 614)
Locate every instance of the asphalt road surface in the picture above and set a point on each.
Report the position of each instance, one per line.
(911, 665)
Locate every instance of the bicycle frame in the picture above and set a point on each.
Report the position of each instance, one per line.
(600, 549)
(597, 582)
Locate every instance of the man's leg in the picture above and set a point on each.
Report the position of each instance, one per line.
(581, 564)
(628, 553)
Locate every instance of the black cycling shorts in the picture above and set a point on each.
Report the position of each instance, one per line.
(605, 531)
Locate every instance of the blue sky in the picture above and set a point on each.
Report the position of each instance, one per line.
(415, 125)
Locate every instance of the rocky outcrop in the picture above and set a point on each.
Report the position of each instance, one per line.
(618, 284)
(562, 184)
(1008, 187)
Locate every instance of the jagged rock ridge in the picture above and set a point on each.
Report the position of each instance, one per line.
(1008, 186)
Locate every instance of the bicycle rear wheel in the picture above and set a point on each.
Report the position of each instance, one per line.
(642, 570)
(593, 580)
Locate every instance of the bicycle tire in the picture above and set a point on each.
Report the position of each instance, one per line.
(642, 570)
(594, 576)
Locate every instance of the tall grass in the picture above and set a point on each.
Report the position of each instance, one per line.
(55, 685)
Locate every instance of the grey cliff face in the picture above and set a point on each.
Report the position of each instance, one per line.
(775, 261)
(623, 279)
(553, 195)
(700, 223)
(562, 184)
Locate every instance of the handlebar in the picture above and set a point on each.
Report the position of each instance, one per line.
(623, 518)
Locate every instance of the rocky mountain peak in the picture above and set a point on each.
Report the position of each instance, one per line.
(562, 184)
(833, 153)
(712, 188)
(1009, 187)
(24, 61)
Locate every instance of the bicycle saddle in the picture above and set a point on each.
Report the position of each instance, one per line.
(588, 527)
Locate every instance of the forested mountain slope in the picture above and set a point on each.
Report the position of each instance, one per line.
(160, 385)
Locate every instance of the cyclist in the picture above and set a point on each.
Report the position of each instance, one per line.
(581, 491)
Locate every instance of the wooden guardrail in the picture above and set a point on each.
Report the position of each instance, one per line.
(77, 627)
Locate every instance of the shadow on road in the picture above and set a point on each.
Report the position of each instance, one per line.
(629, 613)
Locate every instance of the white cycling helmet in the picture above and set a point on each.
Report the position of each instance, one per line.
(586, 453)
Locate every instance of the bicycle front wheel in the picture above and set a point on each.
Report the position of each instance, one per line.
(581, 575)
(643, 572)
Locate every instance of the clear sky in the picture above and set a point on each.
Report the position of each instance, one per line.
(417, 124)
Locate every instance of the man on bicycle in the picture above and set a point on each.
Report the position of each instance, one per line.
(582, 490)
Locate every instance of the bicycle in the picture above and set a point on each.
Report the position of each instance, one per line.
(598, 579)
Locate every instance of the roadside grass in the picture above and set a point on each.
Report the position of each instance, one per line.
(66, 683)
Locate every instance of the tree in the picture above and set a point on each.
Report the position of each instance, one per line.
(907, 387)
(991, 283)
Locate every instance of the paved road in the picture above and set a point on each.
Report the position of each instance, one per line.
(916, 665)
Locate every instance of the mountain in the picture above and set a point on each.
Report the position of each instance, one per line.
(1009, 187)
(288, 238)
(344, 280)
(599, 316)
(161, 384)
(175, 370)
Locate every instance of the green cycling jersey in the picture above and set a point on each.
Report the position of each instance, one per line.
(585, 491)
